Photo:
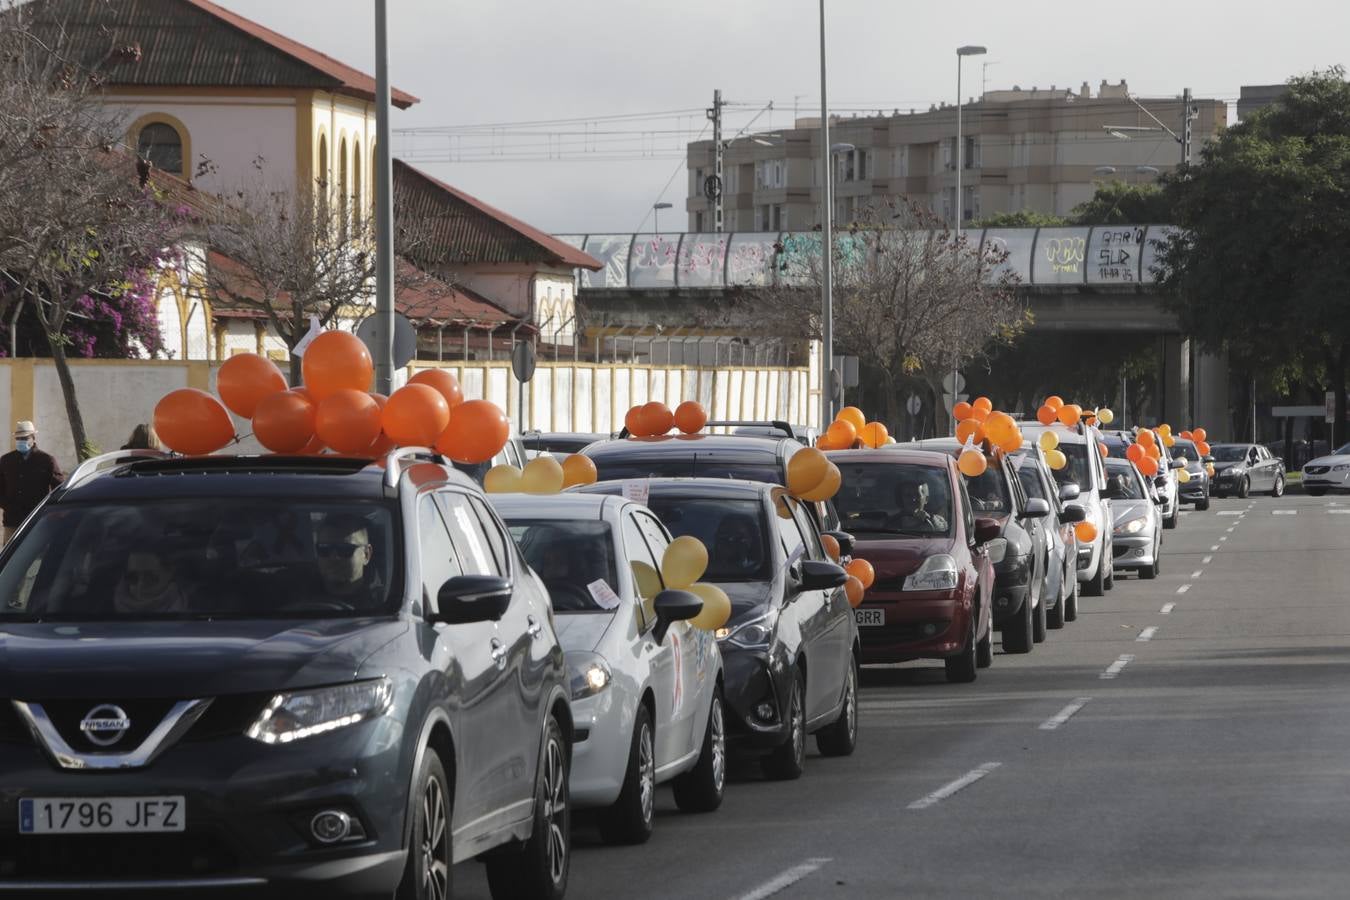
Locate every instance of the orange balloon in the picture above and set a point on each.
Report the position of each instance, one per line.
(1091, 419)
(348, 421)
(1070, 414)
(1054, 401)
(632, 421)
(983, 403)
(831, 546)
(657, 419)
(1202, 448)
(1146, 438)
(1102, 449)
(1135, 453)
(443, 381)
(961, 410)
(862, 570)
(578, 469)
(284, 422)
(192, 422)
(315, 447)
(415, 415)
(245, 379)
(853, 416)
(971, 429)
(382, 444)
(1199, 435)
(1186, 435)
(1154, 451)
(1047, 414)
(1086, 531)
(336, 360)
(478, 431)
(979, 413)
(841, 434)
(1148, 465)
(854, 589)
(873, 434)
(997, 425)
(828, 487)
(1011, 443)
(690, 417)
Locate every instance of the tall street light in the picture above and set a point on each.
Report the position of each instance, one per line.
(384, 211)
(968, 50)
(827, 246)
(656, 208)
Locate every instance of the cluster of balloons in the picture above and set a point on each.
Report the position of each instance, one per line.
(1054, 457)
(1145, 453)
(334, 410)
(811, 476)
(655, 419)
(1054, 409)
(979, 422)
(861, 575)
(849, 428)
(541, 475)
(1199, 437)
(682, 565)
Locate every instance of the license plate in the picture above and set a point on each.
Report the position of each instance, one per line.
(870, 616)
(101, 815)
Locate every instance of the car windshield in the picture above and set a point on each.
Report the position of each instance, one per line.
(1185, 450)
(1234, 453)
(733, 531)
(569, 556)
(204, 558)
(678, 466)
(1124, 478)
(886, 498)
(988, 492)
(1032, 485)
(1342, 451)
(1076, 472)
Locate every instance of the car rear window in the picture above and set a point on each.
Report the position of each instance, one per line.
(1123, 476)
(989, 492)
(733, 531)
(205, 558)
(1185, 450)
(885, 498)
(1230, 454)
(569, 556)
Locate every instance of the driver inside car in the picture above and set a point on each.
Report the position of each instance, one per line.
(911, 498)
(148, 586)
(343, 549)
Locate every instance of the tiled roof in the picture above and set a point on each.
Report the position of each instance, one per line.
(427, 299)
(464, 229)
(194, 43)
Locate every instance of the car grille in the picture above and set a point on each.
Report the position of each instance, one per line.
(90, 856)
(66, 715)
(12, 728)
(227, 716)
(1317, 470)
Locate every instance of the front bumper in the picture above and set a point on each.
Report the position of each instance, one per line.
(1330, 480)
(1133, 551)
(1194, 490)
(602, 725)
(919, 625)
(1012, 588)
(248, 808)
(755, 682)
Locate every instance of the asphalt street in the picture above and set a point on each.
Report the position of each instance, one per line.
(1186, 737)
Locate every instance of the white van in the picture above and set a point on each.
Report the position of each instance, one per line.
(1083, 481)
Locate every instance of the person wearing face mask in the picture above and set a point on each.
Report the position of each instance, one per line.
(27, 475)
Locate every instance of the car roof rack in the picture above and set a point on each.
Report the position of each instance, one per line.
(95, 465)
(393, 463)
(781, 425)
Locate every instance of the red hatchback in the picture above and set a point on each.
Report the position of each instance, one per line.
(911, 518)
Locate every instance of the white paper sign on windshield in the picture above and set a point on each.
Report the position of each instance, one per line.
(603, 594)
(637, 490)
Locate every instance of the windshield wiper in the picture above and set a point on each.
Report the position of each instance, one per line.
(881, 529)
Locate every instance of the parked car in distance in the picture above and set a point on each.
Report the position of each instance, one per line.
(1117, 442)
(315, 676)
(790, 650)
(1061, 579)
(1197, 490)
(1242, 469)
(557, 443)
(911, 518)
(1328, 473)
(1136, 535)
(645, 685)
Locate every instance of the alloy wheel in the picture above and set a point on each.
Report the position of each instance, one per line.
(435, 861)
(647, 768)
(555, 806)
(719, 745)
(851, 700)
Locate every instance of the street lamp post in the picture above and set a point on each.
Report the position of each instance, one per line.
(968, 50)
(384, 211)
(827, 246)
(656, 208)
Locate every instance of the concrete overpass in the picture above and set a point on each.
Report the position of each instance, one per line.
(1077, 279)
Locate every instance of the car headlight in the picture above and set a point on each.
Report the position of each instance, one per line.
(1340, 468)
(753, 634)
(295, 715)
(938, 573)
(1131, 526)
(587, 673)
(996, 550)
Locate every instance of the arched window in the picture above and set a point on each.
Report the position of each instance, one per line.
(162, 145)
(358, 213)
(343, 188)
(321, 176)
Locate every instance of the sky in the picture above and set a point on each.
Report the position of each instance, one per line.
(508, 62)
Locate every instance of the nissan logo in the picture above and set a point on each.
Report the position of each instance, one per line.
(105, 724)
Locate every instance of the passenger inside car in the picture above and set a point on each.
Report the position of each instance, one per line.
(147, 586)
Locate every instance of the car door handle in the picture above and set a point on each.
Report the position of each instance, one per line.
(498, 653)
(535, 628)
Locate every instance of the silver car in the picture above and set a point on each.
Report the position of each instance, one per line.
(1136, 535)
(1328, 473)
(1061, 580)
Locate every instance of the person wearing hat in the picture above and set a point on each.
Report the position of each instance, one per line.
(27, 475)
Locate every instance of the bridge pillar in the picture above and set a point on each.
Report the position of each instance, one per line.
(1210, 390)
(1176, 382)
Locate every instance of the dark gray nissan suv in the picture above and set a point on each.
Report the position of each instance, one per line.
(292, 676)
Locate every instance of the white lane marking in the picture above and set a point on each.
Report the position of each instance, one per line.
(950, 788)
(1114, 669)
(1064, 714)
(1231, 530)
(1185, 512)
(1208, 559)
(1183, 589)
(1284, 512)
(1232, 512)
(786, 880)
(1167, 608)
(1147, 634)
(1223, 537)
(1215, 548)
(1197, 573)
(1343, 512)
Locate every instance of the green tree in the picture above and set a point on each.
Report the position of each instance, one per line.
(1118, 203)
(1258, 268)
(1023, 218)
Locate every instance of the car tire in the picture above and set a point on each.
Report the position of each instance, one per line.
(1096, 585)
(538, 868)
(1017, 636)
(984, 647)
(1244, 489)
(702, 788)
(631, 817)
(429, 873)
(1315, 492)
(1054, 618)
(1071, 601)
(961, 668)
(840, 737)
(788, 760)
(1172, 520)
(1278, 489)
(1149, 572)
(1202, 505)
(1038, 620)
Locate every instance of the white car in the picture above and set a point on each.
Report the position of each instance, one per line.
(645, 685)
(1328, 473)
(1096, 571)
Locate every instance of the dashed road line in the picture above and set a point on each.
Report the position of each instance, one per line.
(952, 787)
(1215, 548)
(1183, 589)
(1167, 609)
(1197, 573)
(1147, 634)
(1284, 512)
(1064, 714)
(1208, 559)
(1343, 512)
(1231, 530)
(1224, 538)
(1232, 512)
(785, 880)
(1115, 668)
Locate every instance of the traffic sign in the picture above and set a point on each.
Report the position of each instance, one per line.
(522, 361)
(956, 388)
(913, 404)
(405, 338)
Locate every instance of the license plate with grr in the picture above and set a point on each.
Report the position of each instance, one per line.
(870, 616)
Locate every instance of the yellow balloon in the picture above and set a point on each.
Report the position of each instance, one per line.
(1105, 416)
(541, 475)
(852, 415)
(1183, 476)
(806, 470)
(890, 440)
(716, 606)
(1209, 469)
(1164, 428)
(1048, 440)
(685, 562)
(1056, 459)
(827, 488)
(502, 479)
(972, 463)
(1169, 441)
(578, 469)
(648, 582)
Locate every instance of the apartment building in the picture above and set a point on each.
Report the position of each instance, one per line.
(1042, 150)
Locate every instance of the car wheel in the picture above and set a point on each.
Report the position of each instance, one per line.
(1316, 492)
(1172, 520)
(1017, 636)
(1096, 586)
(1202, 504)
(788, 760)
(1038, 620)
(1244, 489)
(1148, 572)
(429, 874)
(1110, 582)
(961, 667)
(1071, 601)
(629, 820)
(984, 647)
(1054, 618)
(1278, 489)
(538, 868)
(840, 737)
(701, 788)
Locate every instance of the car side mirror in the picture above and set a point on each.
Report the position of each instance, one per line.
(1177, 463)
(1161, 481)
(817, 575)
(845, 541)
(1207, 459)
(471, 598)
(1036, 509)
(1159, 499)
(672, 607)
(987, 530)
(1073, 514)
(1070, 491)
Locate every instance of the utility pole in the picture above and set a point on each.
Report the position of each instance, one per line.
(715, 116)
(1187, 117)
(826, 246)
(384, 211)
